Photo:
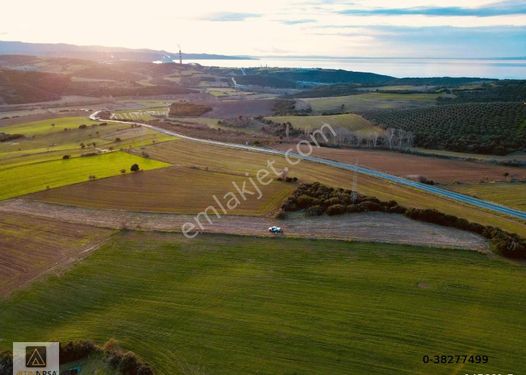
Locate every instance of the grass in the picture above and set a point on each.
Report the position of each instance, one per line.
(348, 121)
(370, 101)
(146, 114)
(221, 159)
(30, 178)
(508, 194)
(35, 128)
(237, 305)
(43, 142)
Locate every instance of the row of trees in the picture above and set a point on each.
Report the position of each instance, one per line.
(491, 128)
(391, 138)
(317, 199)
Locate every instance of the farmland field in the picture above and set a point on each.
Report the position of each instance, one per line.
(370, 101)
(508, 194)
(485, 128)
(177, 189)
(44, 142)
(437, 169)
(31, 246)
(30, 178)
(185, 153)
(226, 304)
(348, 121)
(47, 126)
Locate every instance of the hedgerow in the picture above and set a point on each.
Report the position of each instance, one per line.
(317, 199)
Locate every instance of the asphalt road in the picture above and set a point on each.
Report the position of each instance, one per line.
(354, 168)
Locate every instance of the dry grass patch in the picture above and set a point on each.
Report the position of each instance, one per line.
(31, 247)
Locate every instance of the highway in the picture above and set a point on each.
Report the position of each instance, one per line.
(350, 167)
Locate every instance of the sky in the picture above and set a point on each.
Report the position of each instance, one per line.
(355, 28)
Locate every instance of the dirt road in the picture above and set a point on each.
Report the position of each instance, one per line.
(372, 227)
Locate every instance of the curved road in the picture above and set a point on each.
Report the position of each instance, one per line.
(350, 167)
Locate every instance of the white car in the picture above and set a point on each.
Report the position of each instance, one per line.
(275, 229)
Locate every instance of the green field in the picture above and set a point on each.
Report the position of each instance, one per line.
(44, 142)
(508, 194)
(238, 305)
(348, 121)
(29, 178)
(146, 114)
(370, 101)
(52, 125)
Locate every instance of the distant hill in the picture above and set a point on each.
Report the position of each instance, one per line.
(100, 53)
(23, 87)
(302, 78)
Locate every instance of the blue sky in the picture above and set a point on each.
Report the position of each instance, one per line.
(376, 28)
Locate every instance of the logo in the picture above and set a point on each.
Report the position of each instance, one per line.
(36, 356)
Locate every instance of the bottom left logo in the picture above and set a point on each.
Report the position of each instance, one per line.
(36, 358)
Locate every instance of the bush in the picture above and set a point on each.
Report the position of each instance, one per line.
(4, 137)
(315, 197)
(371, 206)
(135, 168)
(304, 201)
(314, 211)
(83, 126)
(6, 363)
(73, 351)
(281, 214)
(128, 363)
(335, 209)
(66, 157)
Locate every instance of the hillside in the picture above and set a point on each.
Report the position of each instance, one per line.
(298, 78)
(22, 87)
(99, 53)
(488, 128)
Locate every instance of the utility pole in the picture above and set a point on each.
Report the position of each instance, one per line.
(180, 55)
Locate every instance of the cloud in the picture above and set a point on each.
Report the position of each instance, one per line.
(458, 42)
(231, 16)
(503, 8)
(299, 21)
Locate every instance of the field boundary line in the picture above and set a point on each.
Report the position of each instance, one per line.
(461, 198)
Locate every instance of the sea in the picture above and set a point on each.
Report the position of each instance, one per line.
(397, 67)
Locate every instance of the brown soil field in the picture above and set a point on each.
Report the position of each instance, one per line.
(440, 170)
(203, 131)
(32, 246)
(183, 153)
(186, 153)
(234, 108)
(175, 189)
(372, 227)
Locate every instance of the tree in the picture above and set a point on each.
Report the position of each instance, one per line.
(135, 167)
